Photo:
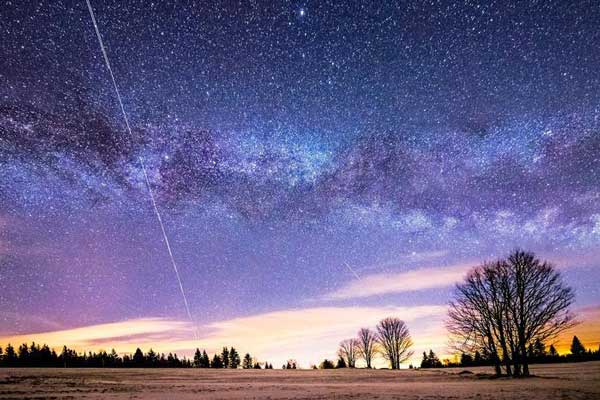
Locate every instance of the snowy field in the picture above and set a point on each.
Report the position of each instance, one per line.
(558, 381)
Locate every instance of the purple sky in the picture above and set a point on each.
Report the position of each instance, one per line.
(292, 147)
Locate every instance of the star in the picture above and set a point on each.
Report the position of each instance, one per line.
(279, 145)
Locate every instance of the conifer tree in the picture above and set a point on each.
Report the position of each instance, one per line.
(205, 360)
(466, 360)
(216, 362)
(10, 357)
(197, 358)
(138, 357)
(234, 358)
(225, 357)
(539, 348)
(577, 348)
(434, 360)
(151, 358)
(477, 359)
(425, 361)
(247, 363)
(341, 363)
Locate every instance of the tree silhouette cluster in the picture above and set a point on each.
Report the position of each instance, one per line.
(430, 360)
(290, 364)
(503, 308)
(35, 355)
(540, 354)
(42, 356)
(390, 339)
(537, 353)
(327, 364)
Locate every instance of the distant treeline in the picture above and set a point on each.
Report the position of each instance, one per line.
(537, 353)
(36, 355)
(502, 315)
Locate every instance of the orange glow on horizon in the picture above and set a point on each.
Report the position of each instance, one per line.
(309, 335)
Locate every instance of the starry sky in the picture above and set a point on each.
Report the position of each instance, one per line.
(317, 165)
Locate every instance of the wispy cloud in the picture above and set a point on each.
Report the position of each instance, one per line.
(398, 282)
(379, 284)
(308, 334)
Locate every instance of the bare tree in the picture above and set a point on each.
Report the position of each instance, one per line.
(367, 341)
(472, 316)
(504, 307)
(348, 351)
(395, 341)
(539, 301)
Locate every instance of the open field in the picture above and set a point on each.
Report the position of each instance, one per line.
(555, 381)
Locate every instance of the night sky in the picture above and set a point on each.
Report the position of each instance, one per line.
(317, 165)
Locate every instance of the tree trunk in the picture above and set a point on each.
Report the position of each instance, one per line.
(505, 356)
(516, 365)
(497, 365)
(524, 361)
(507, 365)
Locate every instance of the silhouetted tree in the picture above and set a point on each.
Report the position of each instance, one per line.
(466, 360)
(348, 350)
(162, 360)
(65, 357)
(431, 360)
(367, 341)
(247, 362)
(217, 362)
(341, 363)
(477, 359)
(434, 360)
(577, 348)
(204, 361)
(225, 357)
(138, 358)
(152, 358)
(326, 364)
(234, 358)
(171, 361)
(394, 340)
(23, 354)
(538, 302)
(539, 349)
(10, 357)
(504, 307)
(477, 315)
(197, 358)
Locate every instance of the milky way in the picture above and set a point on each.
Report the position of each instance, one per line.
(283, 141)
